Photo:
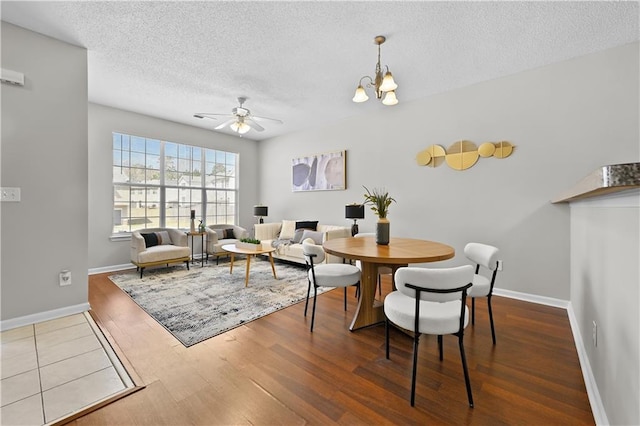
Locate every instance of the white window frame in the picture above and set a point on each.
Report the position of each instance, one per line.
(224, 167)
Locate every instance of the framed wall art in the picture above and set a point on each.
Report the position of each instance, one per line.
(319, 172)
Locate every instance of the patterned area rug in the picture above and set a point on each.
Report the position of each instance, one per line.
(201, 303)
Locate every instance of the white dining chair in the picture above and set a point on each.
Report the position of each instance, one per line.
(326, 275)
(486, 256)
(430, 301)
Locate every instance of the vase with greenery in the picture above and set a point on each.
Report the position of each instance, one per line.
(249, 244)
(380, 200)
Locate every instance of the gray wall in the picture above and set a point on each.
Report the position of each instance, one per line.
(565, 119)
(604, 288)
(104, 252)
(44, 152)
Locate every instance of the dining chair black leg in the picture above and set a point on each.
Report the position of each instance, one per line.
(313, 311)
(306, 303)
(440, 347)
(345, 298)
(473, 311)
(416, 339)
(386, 336)
(466, 371)
(493, 331)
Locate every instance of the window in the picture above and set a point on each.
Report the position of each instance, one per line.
(157, 184)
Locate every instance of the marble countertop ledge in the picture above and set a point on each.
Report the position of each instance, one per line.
(605, 180)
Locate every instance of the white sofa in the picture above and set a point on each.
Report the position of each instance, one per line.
(216, 238)
(169, 246)
(270, 235)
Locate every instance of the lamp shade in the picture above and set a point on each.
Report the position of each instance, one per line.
(388, 84)
(360, 95)
(260, 211)
(390, 98)
(354, 211)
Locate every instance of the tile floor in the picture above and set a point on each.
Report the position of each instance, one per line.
(53, 369)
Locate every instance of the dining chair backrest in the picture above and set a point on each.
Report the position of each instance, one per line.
(433, 279)
(483, 255)
(313, 251)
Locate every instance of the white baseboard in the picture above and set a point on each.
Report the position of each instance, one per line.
(597, 407)
(43, 316)
(533, 298)
(112, 268)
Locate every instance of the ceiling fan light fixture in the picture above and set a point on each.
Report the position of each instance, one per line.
(361, 95)
(390, 98)
(240, 120)
(384, 86)
(240, 127)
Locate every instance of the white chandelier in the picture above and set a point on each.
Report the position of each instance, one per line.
(383, 85)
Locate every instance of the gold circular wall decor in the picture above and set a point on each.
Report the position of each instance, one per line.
(486, 149)
(423, 158)
(437, 154)
(462, 155)
(503, 149)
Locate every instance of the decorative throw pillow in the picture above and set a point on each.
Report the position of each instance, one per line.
(307, 224)
(297, 237)
(163, 238)
(219, 233)
(228, 234)
(288, 230)
(150, 239)
(316, 236)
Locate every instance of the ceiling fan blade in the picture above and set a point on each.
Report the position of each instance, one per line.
(210, 115)
(225, 124)
(257, 118)
(254, 124)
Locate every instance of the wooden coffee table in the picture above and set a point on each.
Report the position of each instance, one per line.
(233, 250)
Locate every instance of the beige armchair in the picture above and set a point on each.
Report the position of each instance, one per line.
(158, 246)
(219, 235)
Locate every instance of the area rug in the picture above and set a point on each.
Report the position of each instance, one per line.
(201, 303)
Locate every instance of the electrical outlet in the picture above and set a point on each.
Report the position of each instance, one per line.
(499, 265)
(65, 278)
(595, 334)
(10, 195)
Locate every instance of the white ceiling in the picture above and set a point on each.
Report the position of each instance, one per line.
(301, 61)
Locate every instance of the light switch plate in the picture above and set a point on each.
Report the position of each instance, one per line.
(10, 195)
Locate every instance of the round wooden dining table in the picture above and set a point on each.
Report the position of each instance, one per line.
(399, 252)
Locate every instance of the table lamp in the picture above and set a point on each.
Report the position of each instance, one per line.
(355, 212)
(260, 211)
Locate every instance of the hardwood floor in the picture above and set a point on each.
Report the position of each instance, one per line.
(274, 371)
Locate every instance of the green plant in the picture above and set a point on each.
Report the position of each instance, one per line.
(250, 240)
(379, 200)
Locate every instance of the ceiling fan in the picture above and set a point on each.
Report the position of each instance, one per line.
(241, 120)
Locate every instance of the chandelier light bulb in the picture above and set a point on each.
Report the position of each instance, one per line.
(390, 98)
(361, 95)
(388, 84)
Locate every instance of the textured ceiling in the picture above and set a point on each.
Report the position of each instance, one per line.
(301, 61)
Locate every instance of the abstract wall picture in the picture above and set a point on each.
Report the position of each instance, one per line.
(319, 172)
(463, 155)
